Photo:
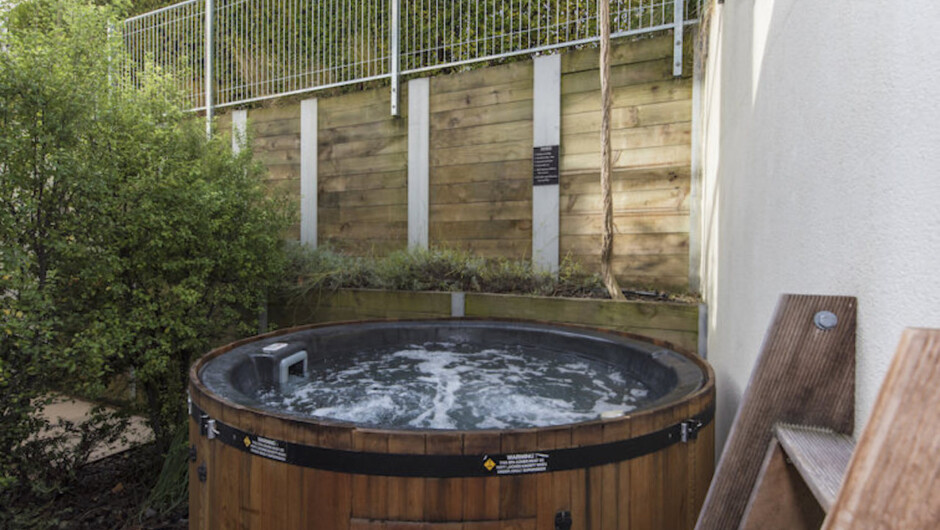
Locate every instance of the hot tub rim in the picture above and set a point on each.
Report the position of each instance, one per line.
(706, 389)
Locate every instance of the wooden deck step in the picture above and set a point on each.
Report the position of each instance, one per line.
(820, 455)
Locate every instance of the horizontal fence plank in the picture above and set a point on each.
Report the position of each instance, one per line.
(627, 244)
(363, 131)
(520, 248)
(368, 181)
(507, 112)
(644, 223)
(481, 211)
(354, 198)
(391, 230)
(482, 172)
(674, 198)
(483, 96)
(622, 75)
(623, 316)
(659, 91)
(483, 77)
(280, 142)
(363, 214)
(454, 230)
(671, 155)
(365, 164)
(360, 148)
(514, 150)
(621, 52)
(640, 137)
(483, 134)
(509, 190)
(624, 180)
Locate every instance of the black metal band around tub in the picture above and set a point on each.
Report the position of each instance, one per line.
(450, 466)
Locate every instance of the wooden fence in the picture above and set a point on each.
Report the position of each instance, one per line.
(480, 162)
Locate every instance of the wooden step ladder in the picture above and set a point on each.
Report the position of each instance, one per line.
(813, 475)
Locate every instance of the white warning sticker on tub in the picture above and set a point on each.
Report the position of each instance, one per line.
(516, 464)
(272, 449)
(271, 348)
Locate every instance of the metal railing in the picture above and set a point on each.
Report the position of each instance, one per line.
(263, 49)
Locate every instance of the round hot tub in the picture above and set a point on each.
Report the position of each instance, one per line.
(445, 424)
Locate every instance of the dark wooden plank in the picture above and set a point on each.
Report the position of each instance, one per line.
(803, 375)
(406, 495)
(781, 500)
(820, 455)
(443, 498)
(481, 495)
(369, 493)
(893, 478)
(517, 497)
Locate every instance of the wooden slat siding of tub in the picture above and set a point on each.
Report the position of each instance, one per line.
(701, 458)
(481, 495)
(613, 481)
(406, 494)
(651, 138)
(619, 431)
(482, 117)
(599, 498)
(553, 489)
(517, 494)
(674, 323)
(369, 493)
(229, 488)
(362, 154)
(197, 489)
(674, 474)
(443, 497)
(585, 487)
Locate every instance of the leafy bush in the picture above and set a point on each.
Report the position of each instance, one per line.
(129, 239)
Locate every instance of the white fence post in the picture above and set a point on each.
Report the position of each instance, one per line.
(546, 137)
(419, 137)
(394, 64)
(678, 24)
(308, 172)
(208, 73)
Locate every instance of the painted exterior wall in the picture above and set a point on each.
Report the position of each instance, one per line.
(821, 175)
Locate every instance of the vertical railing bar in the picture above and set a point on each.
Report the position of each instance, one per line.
(208, 67)
(394, 64)
(678, 26)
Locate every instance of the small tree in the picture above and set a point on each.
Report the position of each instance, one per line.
(129, 239)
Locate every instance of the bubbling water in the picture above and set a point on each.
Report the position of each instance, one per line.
(459, 386)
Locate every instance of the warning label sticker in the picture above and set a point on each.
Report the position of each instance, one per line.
(516, 464)
(272, 449)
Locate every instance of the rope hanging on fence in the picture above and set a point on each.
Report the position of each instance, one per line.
(607, 239)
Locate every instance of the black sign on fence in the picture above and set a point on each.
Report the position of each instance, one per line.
(545, 165)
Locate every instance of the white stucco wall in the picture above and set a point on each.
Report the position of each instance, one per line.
(821, 175)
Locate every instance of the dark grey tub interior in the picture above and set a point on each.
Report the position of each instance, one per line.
(241, 374)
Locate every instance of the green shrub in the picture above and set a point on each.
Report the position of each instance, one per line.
(129, 239)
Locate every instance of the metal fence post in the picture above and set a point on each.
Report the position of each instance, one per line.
(678, 24)
(394, 56)
(208, 63)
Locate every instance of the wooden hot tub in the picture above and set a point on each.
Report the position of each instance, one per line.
(253, 467)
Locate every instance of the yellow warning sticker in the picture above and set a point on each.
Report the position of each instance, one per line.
(247, 441)
(489, 464)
